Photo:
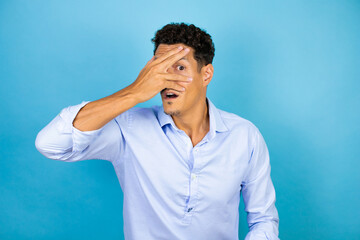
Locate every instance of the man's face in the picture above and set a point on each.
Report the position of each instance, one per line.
(194, 91)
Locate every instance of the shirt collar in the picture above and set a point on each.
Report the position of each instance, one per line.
(216, 122)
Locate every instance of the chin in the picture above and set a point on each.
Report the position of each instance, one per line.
(169, 110)
(171, 105)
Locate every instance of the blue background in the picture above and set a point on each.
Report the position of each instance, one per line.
(290, 67)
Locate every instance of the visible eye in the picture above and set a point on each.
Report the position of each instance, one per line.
(180, 67)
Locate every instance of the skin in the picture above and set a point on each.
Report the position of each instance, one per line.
(150, 81)
(171, 67)
(189, 111)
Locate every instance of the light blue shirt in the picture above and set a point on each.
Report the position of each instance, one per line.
(173, 190)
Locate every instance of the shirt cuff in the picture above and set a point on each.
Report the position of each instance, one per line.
(260, 235)
(81, 139)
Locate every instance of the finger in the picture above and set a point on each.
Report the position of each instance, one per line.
(174, 58)
(147, 64)
(168, 54)
(176, 77)
(175, 86)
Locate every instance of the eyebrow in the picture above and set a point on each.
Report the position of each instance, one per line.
(184, 58)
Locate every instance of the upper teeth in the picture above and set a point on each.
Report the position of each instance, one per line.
(171, 94)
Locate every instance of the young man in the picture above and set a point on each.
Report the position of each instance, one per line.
(183, 165)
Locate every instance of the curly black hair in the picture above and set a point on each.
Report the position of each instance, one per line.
(189, 35)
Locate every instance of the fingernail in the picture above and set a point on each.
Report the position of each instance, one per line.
(183, 89)
(186, 50)
(180, 47)
(190, 79)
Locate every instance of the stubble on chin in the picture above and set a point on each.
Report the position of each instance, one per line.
(173, 113)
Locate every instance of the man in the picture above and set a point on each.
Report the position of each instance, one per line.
(183, 165)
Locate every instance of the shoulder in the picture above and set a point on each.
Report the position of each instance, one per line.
(234, 121)
(138, 114)
(239, 125)
(144, 112)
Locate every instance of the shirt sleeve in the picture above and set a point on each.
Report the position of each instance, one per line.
(259, 194)
(60, 140)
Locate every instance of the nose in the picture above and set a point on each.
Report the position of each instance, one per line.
(171, 69)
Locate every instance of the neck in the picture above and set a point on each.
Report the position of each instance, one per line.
(195, 122)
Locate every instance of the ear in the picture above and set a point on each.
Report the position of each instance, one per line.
(207, 73)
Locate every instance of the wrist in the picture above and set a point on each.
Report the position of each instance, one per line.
(131, 94)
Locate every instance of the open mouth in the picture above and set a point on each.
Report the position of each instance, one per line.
(169, 94)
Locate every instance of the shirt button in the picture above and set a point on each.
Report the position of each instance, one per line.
(193, 176)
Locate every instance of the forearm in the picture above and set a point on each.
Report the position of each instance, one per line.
(96, 114)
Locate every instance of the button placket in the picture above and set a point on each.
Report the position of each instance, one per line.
(193, 176)
(195, 165)
(193, 192)
(193, 189)
(191, 205)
